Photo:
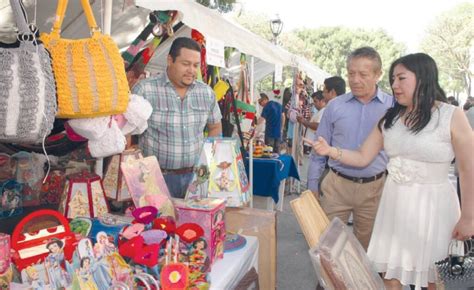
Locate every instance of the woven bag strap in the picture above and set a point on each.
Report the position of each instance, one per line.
(61, 11)
(19, 14)
(217, 73)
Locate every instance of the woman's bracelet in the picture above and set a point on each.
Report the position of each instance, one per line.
(339, 154)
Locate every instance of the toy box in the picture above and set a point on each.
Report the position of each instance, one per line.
(4, 253)
(209, 214)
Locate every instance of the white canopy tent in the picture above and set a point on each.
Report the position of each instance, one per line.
(212, 24)
(127, 22)
(158, 63)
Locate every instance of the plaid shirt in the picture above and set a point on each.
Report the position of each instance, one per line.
(175, 128)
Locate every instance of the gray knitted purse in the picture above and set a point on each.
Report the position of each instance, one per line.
(27, 87)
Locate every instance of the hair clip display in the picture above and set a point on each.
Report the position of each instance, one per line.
(166, 224)
(154, 236)
(130, 247)
(189, 232)
(147, 255)
(145, 215)
(174, 275)
(132, 231)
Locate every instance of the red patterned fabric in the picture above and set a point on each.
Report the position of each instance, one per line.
(197, 36)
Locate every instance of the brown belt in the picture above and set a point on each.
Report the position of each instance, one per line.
(177, 171)
(359, 179)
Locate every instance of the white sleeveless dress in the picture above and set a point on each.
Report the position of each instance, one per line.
(419, 207)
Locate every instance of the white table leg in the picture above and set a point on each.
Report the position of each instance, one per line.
(281, 195)
(270, 203)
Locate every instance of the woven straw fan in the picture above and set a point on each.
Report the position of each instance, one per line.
(311, 217)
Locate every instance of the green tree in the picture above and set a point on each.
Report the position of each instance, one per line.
(258, 23)
(450, 40)
(328, 47)
(221, 5)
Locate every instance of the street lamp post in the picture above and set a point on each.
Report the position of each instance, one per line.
(276, 25)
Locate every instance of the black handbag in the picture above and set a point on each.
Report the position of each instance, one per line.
(457, 270)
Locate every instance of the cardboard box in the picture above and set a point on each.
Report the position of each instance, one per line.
(261, 224)
(209, 214)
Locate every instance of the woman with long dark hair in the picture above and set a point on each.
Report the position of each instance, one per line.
(419, 211)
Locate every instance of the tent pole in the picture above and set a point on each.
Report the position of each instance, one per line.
(107, 16)
(252, 71)
(295, 105)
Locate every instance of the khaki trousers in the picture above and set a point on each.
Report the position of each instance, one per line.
(341, 196)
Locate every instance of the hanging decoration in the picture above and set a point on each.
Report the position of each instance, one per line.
(199, 38)
(136, 56)
(220, 173)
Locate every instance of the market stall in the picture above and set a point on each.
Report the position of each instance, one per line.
(62, 224)
(128, 20)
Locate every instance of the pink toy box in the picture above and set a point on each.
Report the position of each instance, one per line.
(4, 253)
(209, 214)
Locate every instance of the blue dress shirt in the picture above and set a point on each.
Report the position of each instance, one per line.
(346, 123)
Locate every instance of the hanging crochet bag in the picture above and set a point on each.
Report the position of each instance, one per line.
(89, 72)
(27, 89)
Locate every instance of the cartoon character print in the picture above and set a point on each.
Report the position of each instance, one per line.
(36, 283)
(55, 264)
(84, 274)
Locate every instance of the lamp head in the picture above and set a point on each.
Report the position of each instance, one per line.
(276, 25)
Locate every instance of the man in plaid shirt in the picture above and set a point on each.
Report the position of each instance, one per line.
(182, 108)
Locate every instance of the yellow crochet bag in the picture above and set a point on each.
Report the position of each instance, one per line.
(90, 74)
(221, 87)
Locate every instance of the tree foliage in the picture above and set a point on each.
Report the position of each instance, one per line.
(258, 23)
(221, 5)
(328, 47)
(450, 40)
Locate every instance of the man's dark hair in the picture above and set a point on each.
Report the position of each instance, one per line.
(467, 106)
(318, 95)
(263, 96)
(335, 83)
(183, 42)
(452, 100)
(369, 53)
